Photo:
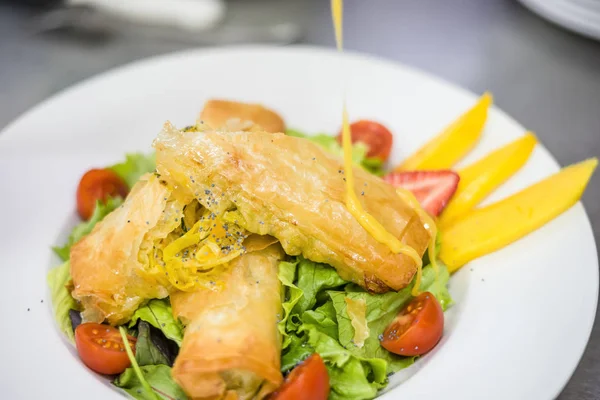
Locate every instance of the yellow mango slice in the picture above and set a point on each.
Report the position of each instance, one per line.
(485, 230)
(479, 179)
(453, 143)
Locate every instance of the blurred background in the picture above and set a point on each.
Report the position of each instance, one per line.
(544, 75)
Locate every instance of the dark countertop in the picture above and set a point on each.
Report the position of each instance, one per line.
(545, 77)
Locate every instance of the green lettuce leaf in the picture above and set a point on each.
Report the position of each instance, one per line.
(297, 351)
(82, 229)
(350, 377)
(159, 378)
(146, 353)
(330, 143)
(62, 301)
(159, 314)
(324, 319)
(134, 166)
(313, 278)
(350, 382)
(318, 322)
(381, 310)
(286, 275)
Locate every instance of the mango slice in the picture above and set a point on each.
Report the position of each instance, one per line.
(479, 179)
(485, 230)
(446, 149)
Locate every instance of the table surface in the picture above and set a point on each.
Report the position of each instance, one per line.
(545, 77)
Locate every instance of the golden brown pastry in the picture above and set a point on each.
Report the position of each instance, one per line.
(232, 348)
(218, 114)
(293, 190)
(107, 265)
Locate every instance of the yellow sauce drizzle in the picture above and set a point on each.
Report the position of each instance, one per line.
(431, 228)
(367, 221)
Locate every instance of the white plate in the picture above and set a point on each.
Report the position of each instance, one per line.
(581, 16)
(522, 316)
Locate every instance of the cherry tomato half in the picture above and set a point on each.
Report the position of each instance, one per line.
(308, 381)
(376, 136)
(101, 348)
(417, 328)
(98, 184)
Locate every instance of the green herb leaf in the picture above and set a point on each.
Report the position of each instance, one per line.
(62, 301)
(159, 314)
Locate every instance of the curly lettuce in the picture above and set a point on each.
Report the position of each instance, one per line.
(322, 314)
(62, 303)
(134, 166)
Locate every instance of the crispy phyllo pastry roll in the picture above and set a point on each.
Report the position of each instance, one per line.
(232, 348)
(107, 266)
(292, 189)
(223, 114)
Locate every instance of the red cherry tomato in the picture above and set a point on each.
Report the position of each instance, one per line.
(376, 136)
(98, 184)
(308, 381)
(417, 328)
(101, 348)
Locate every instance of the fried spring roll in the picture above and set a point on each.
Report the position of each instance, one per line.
(107, 264)
(231, 348)
(219, 114)
(292, 189)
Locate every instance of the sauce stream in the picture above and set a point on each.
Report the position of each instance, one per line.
(367, 221)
